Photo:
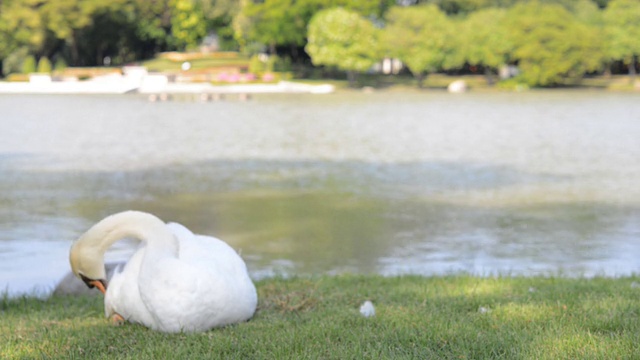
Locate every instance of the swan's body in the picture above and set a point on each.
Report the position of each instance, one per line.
(176, 281)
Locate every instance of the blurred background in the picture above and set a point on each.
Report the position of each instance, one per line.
(533, 43)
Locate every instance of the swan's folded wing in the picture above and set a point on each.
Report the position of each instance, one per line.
(205, 286)
(112, 296)
(180, 297)
(123, 294)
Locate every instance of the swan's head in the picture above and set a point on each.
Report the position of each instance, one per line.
(87, 262)
(87, 253)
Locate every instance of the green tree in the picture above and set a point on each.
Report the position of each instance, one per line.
(153, 23)
(188, 25)
(277, 22)
(484, 40)
(20, 26)
(550, 46)
(219, 15)
(622, 19)
(129, 30)
(66, 18)
(110, 34)
(285, 22)
(342, 38)
(423, 38)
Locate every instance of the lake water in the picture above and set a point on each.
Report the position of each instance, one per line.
(392, 183)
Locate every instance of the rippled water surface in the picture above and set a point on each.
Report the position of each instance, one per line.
(391, 183)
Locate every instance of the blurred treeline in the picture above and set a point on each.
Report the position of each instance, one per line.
(550, 41)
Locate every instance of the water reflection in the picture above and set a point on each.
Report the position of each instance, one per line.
(576, 239)
(330, 217)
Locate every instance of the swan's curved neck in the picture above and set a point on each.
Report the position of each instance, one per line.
(132, 224)
(87, 253)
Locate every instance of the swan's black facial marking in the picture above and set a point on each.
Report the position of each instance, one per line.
(89, 282)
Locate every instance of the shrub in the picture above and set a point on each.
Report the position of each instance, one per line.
(44, 65)
(262, 63)
(282, 64)
(256, 66)
(29, 65)
(60, 64)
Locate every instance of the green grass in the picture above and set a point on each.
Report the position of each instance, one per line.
(212, 63)
(318, 318)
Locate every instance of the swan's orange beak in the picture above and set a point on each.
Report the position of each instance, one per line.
(99, 285)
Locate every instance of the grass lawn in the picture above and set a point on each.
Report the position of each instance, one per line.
(454, 317)
(214, 61)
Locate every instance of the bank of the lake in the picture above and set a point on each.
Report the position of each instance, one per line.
(451, 317)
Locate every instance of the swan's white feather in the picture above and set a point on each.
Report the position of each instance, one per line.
(206, 285)
(123, 295)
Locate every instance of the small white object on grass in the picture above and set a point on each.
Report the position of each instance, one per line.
(367, 309)
(484, 310)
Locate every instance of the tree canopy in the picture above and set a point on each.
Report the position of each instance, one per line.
(551, 41)
(285, 22)
(87, 30)
(484, 40)
(550, 45)
(623, 31)
(423, 38)
(20, 26)
(343, 38)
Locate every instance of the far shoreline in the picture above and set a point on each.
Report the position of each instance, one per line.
(138, 80)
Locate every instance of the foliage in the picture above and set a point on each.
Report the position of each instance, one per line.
(13, 63)
(219, 15)
(216, 9)
(623, 31)
(188, 24)
(66, 18)
(453, 317)
(479, 32)
(20, 26)
(275, 22)
(282, 64)
(29, 65)
(484, 38)
(260, 64)
(89, 30)
(342, 38)
(550, 46)
(256, 65)
(456, 7)
(60, 64)
(285, 22)
(586, 11)
(423, 38)
(44, 65)
(464, 6)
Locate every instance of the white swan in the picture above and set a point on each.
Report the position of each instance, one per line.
(176, 281)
